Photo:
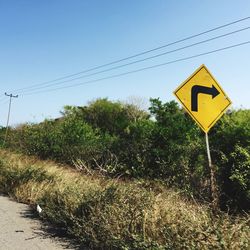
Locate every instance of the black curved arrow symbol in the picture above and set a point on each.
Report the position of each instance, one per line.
(197, 89)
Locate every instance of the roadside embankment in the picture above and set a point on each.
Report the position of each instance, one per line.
(109, 213)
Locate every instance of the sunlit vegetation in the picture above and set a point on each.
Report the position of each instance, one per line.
(134, 179)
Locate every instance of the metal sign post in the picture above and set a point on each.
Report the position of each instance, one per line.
(205, 101)
(213, 185)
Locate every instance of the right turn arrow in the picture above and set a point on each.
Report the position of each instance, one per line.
(197, 89)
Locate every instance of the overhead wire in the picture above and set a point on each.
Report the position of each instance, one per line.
(141, 69)
(135, 55)
(137, 61)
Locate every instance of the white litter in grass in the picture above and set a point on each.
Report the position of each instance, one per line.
(38, 209)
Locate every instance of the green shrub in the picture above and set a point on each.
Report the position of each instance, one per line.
(111, 214)
(64, 141)
(122, 140)
(230, 140)
(110, 117)
(178, 152)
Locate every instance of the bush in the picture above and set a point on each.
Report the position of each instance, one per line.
(178, 151)
(122, 140)
(109, 117)
(64, 141)
(231, 150)
(111, 214)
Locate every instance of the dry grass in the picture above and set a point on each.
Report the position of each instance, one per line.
(111, 214)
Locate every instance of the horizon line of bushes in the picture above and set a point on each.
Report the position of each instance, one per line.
(163, 143)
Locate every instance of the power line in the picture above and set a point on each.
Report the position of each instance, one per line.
(141, 69)
(137, 61)
(136, 55)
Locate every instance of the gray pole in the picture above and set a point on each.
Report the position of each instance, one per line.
(8, 118)
(214, 193)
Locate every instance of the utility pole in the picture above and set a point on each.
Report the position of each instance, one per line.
(8, 118)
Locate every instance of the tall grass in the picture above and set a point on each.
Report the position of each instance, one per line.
(112, 214)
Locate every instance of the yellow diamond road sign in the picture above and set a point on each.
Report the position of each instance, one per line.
(203, 98)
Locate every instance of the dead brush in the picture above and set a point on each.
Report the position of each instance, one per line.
(109, 214)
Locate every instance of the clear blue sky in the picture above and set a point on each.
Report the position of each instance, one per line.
(44, 40)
